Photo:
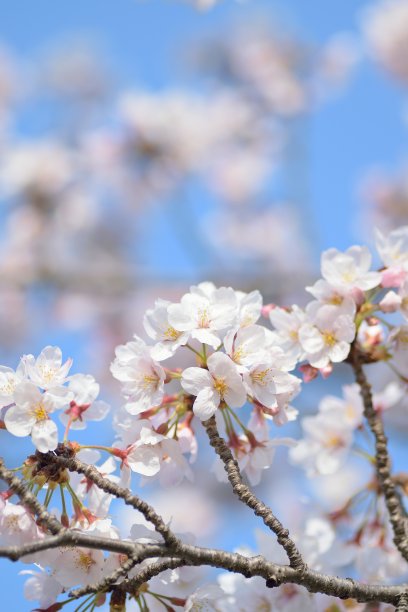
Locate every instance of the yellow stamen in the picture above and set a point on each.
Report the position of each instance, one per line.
(47, 373)
(40, 412)
(150, 381)
(220, 386)
(329, 338)
(260, 377)
(203, 319)
(336, 300)
(171, 333)
(84, 561)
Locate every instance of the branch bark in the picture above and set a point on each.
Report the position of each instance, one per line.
(393, 501)
(183, 554)
(248, 498)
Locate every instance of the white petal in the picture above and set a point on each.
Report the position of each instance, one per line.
(206, 404)
(194, 380)
(45, 435)
(18, 421)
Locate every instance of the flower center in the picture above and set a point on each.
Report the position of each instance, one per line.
(220, 386)
(150, 381)
(47, 373)
(329, 338)
(171, 333)
(260, 377)
(203, 319)
(84, 561)
(40, 412)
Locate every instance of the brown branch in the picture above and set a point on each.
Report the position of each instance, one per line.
(248, 498)
(153, 569)
(393, 501)
(72, 538)
(74, 465)
(30, 501)
(178, 554)
(273, 573)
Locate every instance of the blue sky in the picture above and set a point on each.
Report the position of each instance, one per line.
(144, 41)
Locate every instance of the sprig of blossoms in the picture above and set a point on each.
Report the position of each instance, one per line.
(244, 375)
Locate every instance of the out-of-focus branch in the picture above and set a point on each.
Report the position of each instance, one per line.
(248, 498)
(393, 501)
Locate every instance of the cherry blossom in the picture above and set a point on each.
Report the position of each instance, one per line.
(246, 346)
(393, 250)
(288, 323)
(47, 371)
(327, 337)
(220, 383)
(206, 313)
(83, 407)
(349, 270)
(142, 376)
(30, 415)
(41, 587)
(9, 379)
(157, 326)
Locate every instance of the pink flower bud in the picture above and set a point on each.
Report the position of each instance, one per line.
(265, 310)
(390, 302)
(393, 277)
(309, 372)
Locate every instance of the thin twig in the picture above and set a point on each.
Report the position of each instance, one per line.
(30, 501)
(74, 465)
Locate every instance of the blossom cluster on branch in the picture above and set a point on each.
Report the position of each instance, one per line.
(209, 360)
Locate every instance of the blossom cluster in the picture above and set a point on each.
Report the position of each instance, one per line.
(208, 356)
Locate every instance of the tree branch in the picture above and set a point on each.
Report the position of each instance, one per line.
(153, 569)
(248, 498)
(30, 500)
(393, 501)
(74, 465)
(178, 554)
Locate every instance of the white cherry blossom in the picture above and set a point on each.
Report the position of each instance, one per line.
(9, 379)
(206, 314)
(17, 525)
(204, 598)
(393, 250)
(246, 345)
(47, 371)
(153, 454)
(341, 297)
(287, 324)
(41, 587)
(325, 446)
(30, 415)
(327, 337)
(249, 307)
(157, 326)
(83, 407)
(265, 381)
(142, 376)
(350, 269)
(221, 382)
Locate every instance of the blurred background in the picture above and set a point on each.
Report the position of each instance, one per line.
(149, 145)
